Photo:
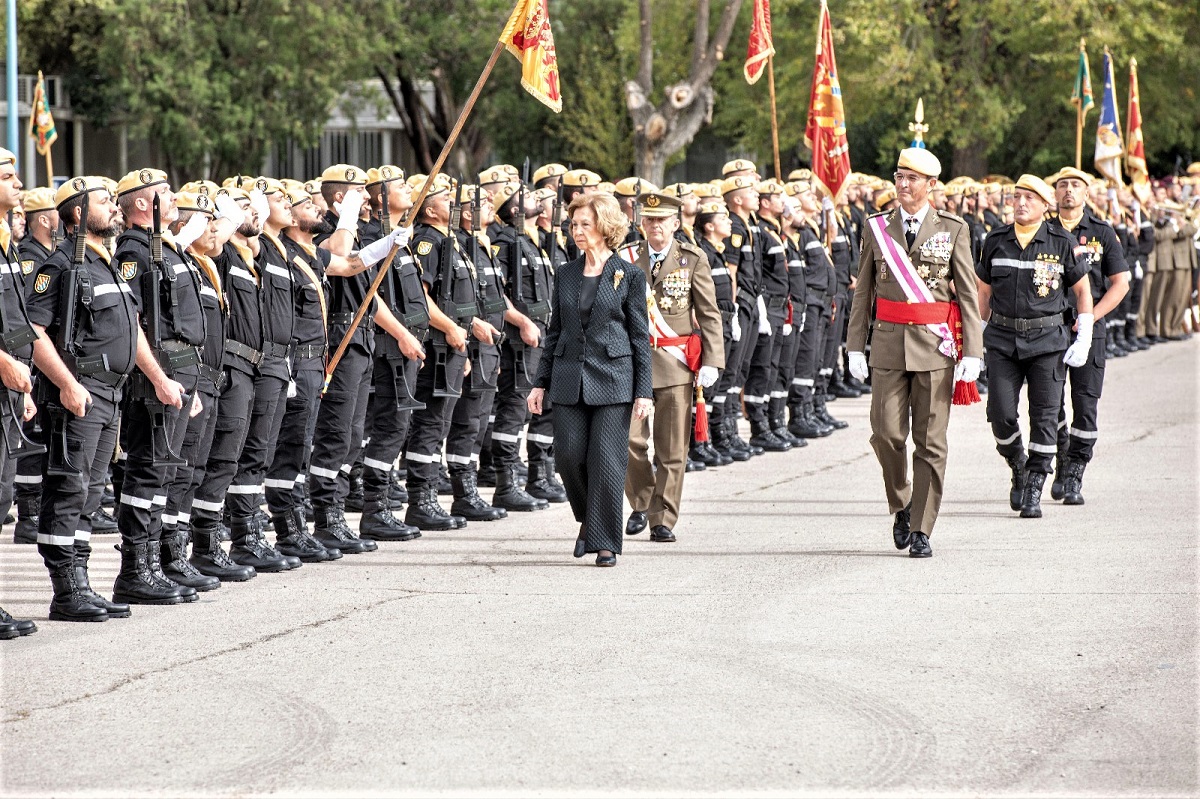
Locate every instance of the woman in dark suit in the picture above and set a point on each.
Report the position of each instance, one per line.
(595, 369)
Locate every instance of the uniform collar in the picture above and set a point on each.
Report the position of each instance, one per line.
(919, 216)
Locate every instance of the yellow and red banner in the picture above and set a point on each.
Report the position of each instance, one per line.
(41, 123)
(826, 130)
(1135, 153)
(528, 37)
(761, 46)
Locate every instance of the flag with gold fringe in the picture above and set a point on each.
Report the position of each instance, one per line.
(826, 130)
(1109, 147)
(1135, 154)
(41, 122)
(761, 46)
(1081, 97)
(528, 37)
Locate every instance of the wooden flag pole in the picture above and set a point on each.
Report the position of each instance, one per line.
(1079, 136)
(49, 169)
(433, 173)
(774, 115)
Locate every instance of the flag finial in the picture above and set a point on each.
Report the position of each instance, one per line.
(918, 126)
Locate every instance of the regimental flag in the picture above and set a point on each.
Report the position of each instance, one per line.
(528, 36)
(826, 130)
(1081, 97)
(1109, 147)
(41, 123)
(1135, 156)
(761, 46)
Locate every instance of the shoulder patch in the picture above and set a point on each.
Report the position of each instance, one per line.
(877, 213)
(424, 247)
(26, 266)
(41, 284)
(128, 270)
(495, 250)
(735, 239)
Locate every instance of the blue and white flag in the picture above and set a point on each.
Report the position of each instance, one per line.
(1109, 147)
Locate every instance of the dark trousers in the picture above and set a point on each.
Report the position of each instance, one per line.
(737, 364)
(467, 426)
(511, 412)
(428, 429)
(1078, 440)
(144, 484)
(1046, 375)
(243, 498)
(229, 434)
(27, 479)
(539, 438)
(835, 335)
(340, 421)
(764, 366)
(197, 441)
(295, 421)
(809, 347)
(717, 396)
(592, 442)
(387, 427)
(64, 526)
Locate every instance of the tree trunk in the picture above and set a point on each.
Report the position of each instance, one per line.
(971, 160)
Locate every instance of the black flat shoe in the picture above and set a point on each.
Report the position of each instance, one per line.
(606, 560)
(663, 534)
(920, 546)
(581, 542)
(900, 530)
(637, 522)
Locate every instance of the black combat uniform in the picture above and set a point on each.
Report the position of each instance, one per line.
(764, 362)
(27, 478)
(743, 258)
(805, 395)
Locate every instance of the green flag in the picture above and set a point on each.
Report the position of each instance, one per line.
(1081, 98)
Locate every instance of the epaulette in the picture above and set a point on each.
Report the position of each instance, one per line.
(951, 217)
(1057, 230)
(687, 246)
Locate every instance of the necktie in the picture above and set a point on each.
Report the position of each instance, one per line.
(910, 230)
(656, 260)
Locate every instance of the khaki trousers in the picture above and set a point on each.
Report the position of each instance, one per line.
(657, 492)
(1151, 317)
(916, 402)
(1177, 296)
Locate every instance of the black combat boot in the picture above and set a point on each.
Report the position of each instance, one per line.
(332, 532)
(539, 485)
(1031, 500)
(354, 500)
(841, 389)
(444, 487)
(250, 547)
(397, 493)
(778, 415)
(1060, 473)
(176, 566)
(1016, 490)
(136, 584)
(25, 532)
(292, 538)
(154, 557)
(487, 472)
(378, 523)
(14, 628)
(1073, 483)
(426, 513)
(467, 502)
(761, 435)
(70, 603)
(508, 494)
(552, 477)
(724, 443)
(115, 610)
(821, 414)
(209, 557)
(808, 425)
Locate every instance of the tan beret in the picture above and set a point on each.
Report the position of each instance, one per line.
(919, 160)
(769, 186)
(201, 203)
(738, 165)
(344, 173)
(140, 179)
(737, 182)
(382, 174)
(548, 171)
(77, 186)
(1036, 185)
(1070, 172)
(39, 199)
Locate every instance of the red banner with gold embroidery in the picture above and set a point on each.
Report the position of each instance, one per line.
(826, 130)
(761, 46)
(1135, 153)
(528, 36)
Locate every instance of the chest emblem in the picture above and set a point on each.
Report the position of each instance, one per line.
(1046, 275)
(41, 284)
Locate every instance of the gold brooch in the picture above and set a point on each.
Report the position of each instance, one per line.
(620, 274)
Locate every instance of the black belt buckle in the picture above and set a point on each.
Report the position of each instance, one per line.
(177, 359)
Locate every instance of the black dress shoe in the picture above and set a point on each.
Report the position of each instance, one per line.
(663, 534)
(606, 560)
(637, 522)
(900, 530)
(920, 546)
(581, 542)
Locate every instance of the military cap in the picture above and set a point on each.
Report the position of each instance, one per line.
(344, 173)
(6, 157)
(544, 193)
(19, 211)
(383, 174)
(1193, 168)
(656, 204)
(680, 190)
(800, 174)
(441, 183)
(1070, 172)
(269, 186)
(500, 173)
(605, 187)
(1036, 185)
(768, 187)
(795, 188)
(140, 179)
(954, 189)
(885, 195)
(313, 186)
(919, 160)
(298, 195)
(704, 190)
(738, 182)
(244, 182)
(581, 177)
(506, 192)
(738, 165)
(860, 179)
(938, 186)
(39, 199)
(711, 206)
(189, 201)
(233, 192)
(633, 187)
(290, 184)
(77, 186)
(200, 187)
(991, 187)
(548, 171)
(469, 190)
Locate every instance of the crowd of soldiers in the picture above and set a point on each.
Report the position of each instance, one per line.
(176, 343)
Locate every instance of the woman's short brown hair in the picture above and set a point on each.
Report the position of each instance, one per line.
(610, 219)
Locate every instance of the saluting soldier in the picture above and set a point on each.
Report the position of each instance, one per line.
(1024, 275)
(916, 278)
(681, 295)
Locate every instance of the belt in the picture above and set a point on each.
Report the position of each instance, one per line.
(348, 318)
(669, 341)
(273, 350)
(180, 353)
(310, 351)
(911, 313)
(216, 376)
(243, 351)
(1025, 325)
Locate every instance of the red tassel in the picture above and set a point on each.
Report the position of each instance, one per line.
(701, 418)
(966, 393)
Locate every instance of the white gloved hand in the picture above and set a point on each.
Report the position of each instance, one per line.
(374, 252)
(194, 229)
(1077, 354)
(764, 322)
(291, 391)
(735, 327)
(258, 201)
(787, 329)
(348, 210)
(967, 370)
(227, 208)
(1138, 272)
(858, 366)
(803, 322)
(707, 376)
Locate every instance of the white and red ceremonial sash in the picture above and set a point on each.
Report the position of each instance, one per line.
(659, 329)
(914, 287)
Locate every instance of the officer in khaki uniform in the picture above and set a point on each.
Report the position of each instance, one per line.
(912, 379)
(678, 273)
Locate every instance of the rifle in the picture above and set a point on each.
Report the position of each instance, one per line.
(637, 207)
(448, 366)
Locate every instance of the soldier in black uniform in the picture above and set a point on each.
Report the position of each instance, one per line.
(89, 343)
(1096, 244)
(528, 279)
(1023, 279)
(833, 317)
(793, 328)
(818, 280)
(773, 299)
(712, 228)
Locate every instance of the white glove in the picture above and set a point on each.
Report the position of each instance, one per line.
(764, 323)
(967, 370)
(348, 210)
(227, 208)
(1077, 353)
(803, 322)
(735, 327)
(374, 252)
(1138, 272)
(194, 229)
(291, 392)
(858, 366)
(707, 376)
(787, 329)
(258, 201)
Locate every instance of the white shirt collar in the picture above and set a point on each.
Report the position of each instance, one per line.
(919, 216)
(659, 254)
